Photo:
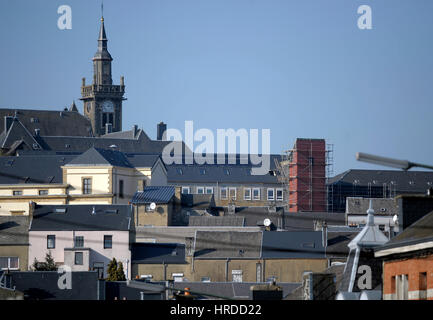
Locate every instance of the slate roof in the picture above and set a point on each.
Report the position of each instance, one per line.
(172, 234)
(221, 244)
(81, 144)
(305, 220)
(158, 195)
(14, 230)
(80, 218)
(254, 216)
(213, 173)
(143, 160)
(97, 156)
(32, 169)
(290, 221)
(338, 244)
(49, 122)
(403, 181)
(216, 221)
(231, 290)
(418, 232)
(158, 253)
(265, 245)
(381, 206)
(292, 245)
(197, 201)
(16, 135)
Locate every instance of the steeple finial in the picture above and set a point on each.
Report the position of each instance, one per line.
(102, 11)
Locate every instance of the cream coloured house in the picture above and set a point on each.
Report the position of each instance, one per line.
(97, 176)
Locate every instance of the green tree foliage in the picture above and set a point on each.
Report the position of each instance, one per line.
(115, 271)
(120, 274)
(48, 265)
(112, 270)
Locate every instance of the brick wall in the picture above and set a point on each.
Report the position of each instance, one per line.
(419, 273)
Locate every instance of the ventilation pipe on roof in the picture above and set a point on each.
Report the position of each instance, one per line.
(37, 132)
(93, 210)
(324, 234)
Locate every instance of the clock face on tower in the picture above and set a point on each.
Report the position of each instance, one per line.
(108, 106)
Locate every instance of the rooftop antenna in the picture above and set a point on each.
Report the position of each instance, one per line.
(102, 10)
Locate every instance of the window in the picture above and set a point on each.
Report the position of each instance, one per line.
(185, 190)
(258, 272)
(51, 241)
(120, 188)
(107, 118)
(279, 194)
(79, 258)
(223, 192)
(108, 242)
(200, 190)
(205, 279)
(11, 263)
(270, 194)
(17, 192)
(256, 194)
(237, 275)
(423, 285)
(202, 171)
(209, 190)
(87, 185)
(402, 287)
(43, 192)
(177, 277)
(143, 184)
(232, 193)
(79, 242)
(247, 193)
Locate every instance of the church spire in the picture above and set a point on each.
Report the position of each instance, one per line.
(102, 59)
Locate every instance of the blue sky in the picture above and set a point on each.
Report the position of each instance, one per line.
(299, 68)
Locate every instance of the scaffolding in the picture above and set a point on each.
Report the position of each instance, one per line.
(299, 180)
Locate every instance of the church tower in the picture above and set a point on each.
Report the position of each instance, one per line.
(103, 100)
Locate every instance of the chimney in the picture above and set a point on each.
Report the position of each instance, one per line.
(32, 206)
(37, 132)
(134, 131)
(161, 128)
(83, 82)
(8, 122)
(108, 128)
(122, 81)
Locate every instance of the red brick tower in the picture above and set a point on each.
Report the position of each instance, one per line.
(307, 175)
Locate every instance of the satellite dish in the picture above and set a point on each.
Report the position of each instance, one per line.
(267, 222)
(152, 206)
